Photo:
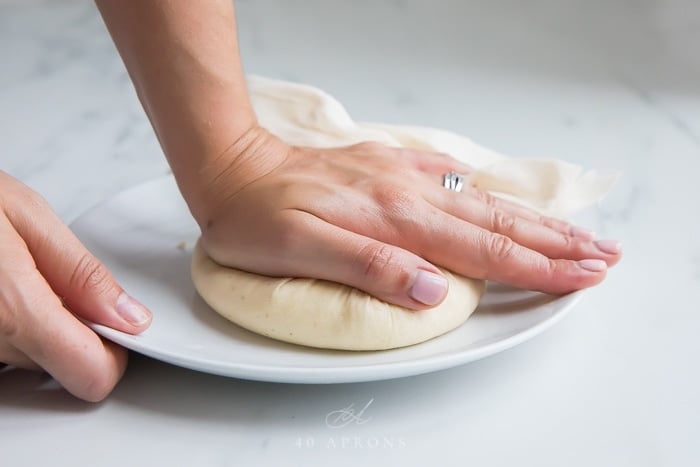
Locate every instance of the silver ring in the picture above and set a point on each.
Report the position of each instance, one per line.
(453, 181)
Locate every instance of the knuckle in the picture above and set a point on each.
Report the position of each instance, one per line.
(90, 274)
(394, 200)
(375, 259)
(500, 247)
(569, 243)
(485, 197)
(502, 222)
(547, 268)
(544, 220)
(562, 276)
(378, 262)
(550, 222)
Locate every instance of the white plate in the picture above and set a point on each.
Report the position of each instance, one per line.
(145, 235)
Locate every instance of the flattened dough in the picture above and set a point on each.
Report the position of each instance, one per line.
(324, 314)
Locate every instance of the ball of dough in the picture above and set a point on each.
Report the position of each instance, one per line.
(325, 314)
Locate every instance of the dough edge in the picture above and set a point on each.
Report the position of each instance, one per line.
(323, 314)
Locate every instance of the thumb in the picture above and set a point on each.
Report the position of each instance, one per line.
(85, 285)
(384, 271)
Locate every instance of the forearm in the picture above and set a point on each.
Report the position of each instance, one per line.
(183, 59)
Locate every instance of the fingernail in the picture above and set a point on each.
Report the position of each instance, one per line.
(595, 265)
(609, 246)
(428, 288)
(581, 232)
(131, 310)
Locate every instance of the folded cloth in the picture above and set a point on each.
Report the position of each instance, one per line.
(306, 116)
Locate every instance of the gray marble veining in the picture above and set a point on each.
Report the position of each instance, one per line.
(610, 85)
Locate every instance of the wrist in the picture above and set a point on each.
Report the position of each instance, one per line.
(252, 154)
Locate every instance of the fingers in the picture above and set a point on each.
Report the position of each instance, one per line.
(526, 228)
(84, 283)
(35, 327)
(552, 237)
(477, 252)
(408, 223)
(438, 164)
(523, 212)
(387, 272)
(411, 224)
(55, 340)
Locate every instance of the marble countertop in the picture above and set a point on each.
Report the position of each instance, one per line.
(609, 85)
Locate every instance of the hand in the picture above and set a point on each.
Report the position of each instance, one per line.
(48, 282)
(378, 219)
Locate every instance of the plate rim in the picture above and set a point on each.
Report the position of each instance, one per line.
(345, 374)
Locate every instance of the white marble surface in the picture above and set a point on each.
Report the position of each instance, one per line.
(613, 85)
